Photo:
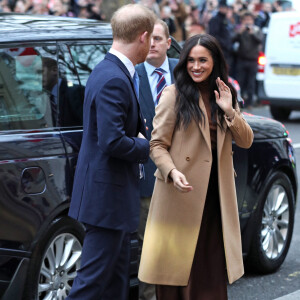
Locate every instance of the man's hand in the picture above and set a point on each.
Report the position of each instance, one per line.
(180, 181)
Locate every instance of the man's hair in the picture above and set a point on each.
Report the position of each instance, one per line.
(49, 62)
(131, 20)
(165, 27)
(247, 14)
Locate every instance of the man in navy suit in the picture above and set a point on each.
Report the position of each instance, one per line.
(156, 66)
(106, 187)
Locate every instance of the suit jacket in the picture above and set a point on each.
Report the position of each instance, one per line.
(174, 218)
(70, 104)
(106, 184)
(148, 110)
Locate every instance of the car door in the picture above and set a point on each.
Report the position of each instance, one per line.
(76, 62)
(32, 154)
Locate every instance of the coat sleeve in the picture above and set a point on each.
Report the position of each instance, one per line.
(241, 131)
(163, 129)
(112, 105)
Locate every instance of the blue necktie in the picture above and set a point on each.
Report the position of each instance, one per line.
(136, 83)
(161, 84)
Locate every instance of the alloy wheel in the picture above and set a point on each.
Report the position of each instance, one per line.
(275, 222)
(59, 267)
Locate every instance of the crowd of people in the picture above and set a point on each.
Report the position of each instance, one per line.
(223, 19)
(184, 17)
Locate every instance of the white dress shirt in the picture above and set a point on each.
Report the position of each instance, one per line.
(125, 60)
(153, 76)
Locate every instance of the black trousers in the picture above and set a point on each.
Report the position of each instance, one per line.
(246, 75)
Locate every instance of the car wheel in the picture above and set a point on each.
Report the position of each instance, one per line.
(55, 260)
(280, 113)
(273, 225)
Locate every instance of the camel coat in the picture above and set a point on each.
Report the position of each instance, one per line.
(174, 218)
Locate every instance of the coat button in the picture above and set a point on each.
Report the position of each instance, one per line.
(187, 158)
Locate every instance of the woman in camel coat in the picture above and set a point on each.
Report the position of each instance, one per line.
(195, 185)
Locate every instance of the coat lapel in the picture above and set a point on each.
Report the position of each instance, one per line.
(117, 61)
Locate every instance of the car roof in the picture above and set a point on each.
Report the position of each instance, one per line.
(27, 28)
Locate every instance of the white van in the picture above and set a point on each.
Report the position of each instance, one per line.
(278, 76)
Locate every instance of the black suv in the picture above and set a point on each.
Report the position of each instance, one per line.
(44, 65)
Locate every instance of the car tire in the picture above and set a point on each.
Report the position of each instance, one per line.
(273, 225)
(280, 113)
(54, 261)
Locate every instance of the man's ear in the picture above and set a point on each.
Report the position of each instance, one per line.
(169, 42)
(144, 37)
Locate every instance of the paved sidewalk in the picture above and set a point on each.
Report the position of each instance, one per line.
(292, 296)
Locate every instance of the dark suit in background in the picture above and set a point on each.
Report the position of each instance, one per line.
(148, 110)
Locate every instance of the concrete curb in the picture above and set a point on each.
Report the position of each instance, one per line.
(292, 296)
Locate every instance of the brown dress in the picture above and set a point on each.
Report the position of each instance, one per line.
(208, 279)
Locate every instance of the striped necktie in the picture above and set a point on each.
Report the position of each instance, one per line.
(161, 84)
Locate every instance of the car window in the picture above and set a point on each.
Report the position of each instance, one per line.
(86, 57)
(71, 91)
(24, 101)
(76, 62)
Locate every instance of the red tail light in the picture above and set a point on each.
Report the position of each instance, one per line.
(261, 62)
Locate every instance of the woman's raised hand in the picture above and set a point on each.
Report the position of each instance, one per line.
(180, 181)
(224, 98)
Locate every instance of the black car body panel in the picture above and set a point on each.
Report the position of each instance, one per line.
(37, 161)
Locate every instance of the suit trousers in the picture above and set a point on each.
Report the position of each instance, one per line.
(105, 266)
(146, 290)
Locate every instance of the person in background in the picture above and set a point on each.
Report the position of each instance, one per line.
(263, 18)
(249, 38)
(40, 7)
(219, 27)
(155, 73)
(105, 193)
(194, 29)
(209, 9)
(20, 7)
(192, 238)
(152, 5)
(60, 8)
(178, 9)
(168, 18)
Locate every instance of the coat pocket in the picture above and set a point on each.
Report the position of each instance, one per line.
(107, 176)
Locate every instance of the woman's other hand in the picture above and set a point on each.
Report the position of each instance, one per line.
(224, 98)
(180, 181)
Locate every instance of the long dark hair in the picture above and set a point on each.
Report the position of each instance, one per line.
(187, 99)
